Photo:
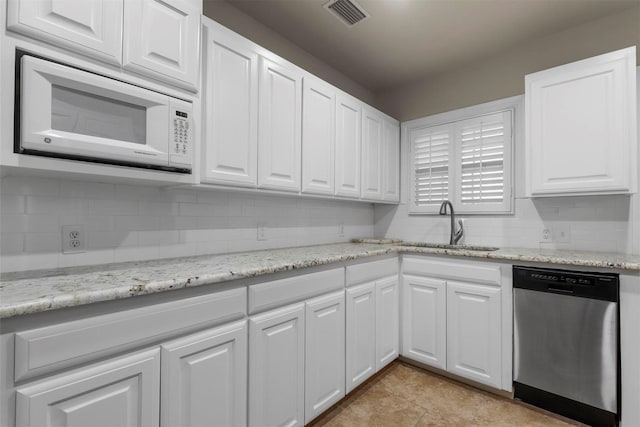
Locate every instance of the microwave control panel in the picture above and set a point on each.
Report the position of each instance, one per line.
(180, 134)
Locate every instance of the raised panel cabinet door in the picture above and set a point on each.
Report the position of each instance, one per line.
(276, 367)
(231, 108)
(474, 332)
(391, 161)
(424, 316)
(118, 392)
(204, 378)
(279, 126)
(91, 27)
(318, 151)
(348, 146)
(325, 353)
(372, 134)
(162, 40)
(361, 334)
(581, 126)
(387, 321)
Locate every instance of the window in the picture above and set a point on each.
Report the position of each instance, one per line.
(463, 156)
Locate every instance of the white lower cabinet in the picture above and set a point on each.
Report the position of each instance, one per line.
(276, 367)
(119, 392)
(387, 321)
(474, 332)
(424, 320)
(204, 378)
(361, 334)
(325, 353)
(453, 318)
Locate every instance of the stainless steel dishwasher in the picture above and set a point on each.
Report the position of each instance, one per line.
(566, 343)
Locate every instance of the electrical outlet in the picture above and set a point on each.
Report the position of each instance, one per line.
(341, 229)
(262, 231)
(546, 236)
(73, 239)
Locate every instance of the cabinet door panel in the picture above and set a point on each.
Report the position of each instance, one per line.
(204, 378)
(361, 334)
(424, 320)
(119, 392)
(318, 115)
(276, 367)
(325, 353)
(162, 40)
(474, 332)
(91, 27)
(387, 321)
(391, 161)
(348, 144)
(231, 114)
(280, 120)
(371, 154)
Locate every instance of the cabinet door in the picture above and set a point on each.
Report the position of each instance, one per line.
(280, 118)
(474, 332)
(391, 161)
(162, 40)
(119, 392)
(387, 321)
(325, 353)
(581, 126)
(91, 27)
(348, 157)
(424, 320)
(371, 154)
(231, 115)
(204, 378)
(276, 367)
(361, 334)
(318, 115)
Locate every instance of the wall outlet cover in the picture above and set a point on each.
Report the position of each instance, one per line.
(73, 239)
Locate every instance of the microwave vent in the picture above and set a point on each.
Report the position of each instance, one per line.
(348, 11)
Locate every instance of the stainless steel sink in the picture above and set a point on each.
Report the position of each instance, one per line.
(452, 247)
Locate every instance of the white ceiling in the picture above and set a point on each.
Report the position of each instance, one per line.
(407, 40)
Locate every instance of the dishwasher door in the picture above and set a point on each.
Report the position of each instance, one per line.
(568, 346)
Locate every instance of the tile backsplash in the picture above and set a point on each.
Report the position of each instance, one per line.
(130, 223)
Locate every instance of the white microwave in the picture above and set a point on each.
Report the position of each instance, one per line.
(65, 112)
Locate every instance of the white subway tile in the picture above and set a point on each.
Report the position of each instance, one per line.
(154, 208)
(31, 261)
(30, 223)
(103, 256)
(29, 185)
(114, 207)
(135, 254)
(52, 205)
(177, 250)
(92, 190)
(43, 242)
(138, 192)
(11, 203)
(99, 223)
(194, 209)
(11, 243)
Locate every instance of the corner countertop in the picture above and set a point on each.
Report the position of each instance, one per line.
(43, 290)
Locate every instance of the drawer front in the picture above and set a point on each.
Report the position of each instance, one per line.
(51, 348)
(373, 270)
(265, 296)
(464, 270)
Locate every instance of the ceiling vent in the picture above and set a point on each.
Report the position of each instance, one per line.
(349, 12)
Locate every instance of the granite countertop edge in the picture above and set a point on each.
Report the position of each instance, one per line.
(33, 292)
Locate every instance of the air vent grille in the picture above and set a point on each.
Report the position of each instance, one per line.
(349, 12)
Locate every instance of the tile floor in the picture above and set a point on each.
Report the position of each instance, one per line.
(404, 395)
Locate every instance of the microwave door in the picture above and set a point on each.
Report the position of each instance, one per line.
(78, 114)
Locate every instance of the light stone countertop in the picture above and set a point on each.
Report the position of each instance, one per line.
(43, 290)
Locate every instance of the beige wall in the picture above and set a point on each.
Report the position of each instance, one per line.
(229, 16)
(502, 75)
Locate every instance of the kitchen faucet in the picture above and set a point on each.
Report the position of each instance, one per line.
(455, 235)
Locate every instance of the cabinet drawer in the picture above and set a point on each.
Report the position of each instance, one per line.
(368, 271)
(265, 296)
(43, 350)
(455, 270)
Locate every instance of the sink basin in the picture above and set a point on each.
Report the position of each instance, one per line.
(447, 246)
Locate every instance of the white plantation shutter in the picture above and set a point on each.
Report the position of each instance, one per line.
(467, 161)
(430, 153)
(484, 142)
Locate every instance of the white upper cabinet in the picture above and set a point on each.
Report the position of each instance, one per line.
(347, 143)
(279, 126)
(162, 39)
(91, 27)
(372, 134)
(231, 108)
(581, 127)
(390, 160)
(318, 136)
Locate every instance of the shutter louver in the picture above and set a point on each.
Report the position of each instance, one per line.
(431, 165)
